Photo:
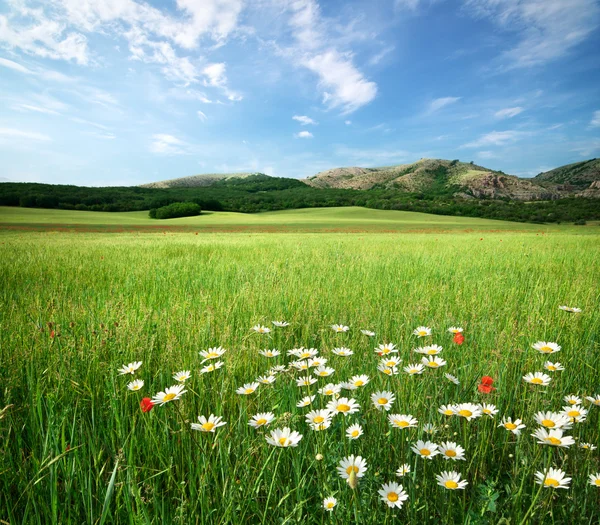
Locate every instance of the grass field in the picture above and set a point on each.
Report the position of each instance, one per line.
(76, 448)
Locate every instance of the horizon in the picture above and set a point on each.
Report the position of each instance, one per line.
(132, 92)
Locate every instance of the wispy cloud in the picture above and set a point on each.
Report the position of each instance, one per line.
(497, 138)
(201, 115)
(13, 133)
(304, 120)
(4, 62)
(439, 103)
(508, 112)
(36, 109)
(303, 135)
(595, 122)
(164, 144)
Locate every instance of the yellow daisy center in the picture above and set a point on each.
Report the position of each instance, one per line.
(319, 419)
(449, 484)
(351, 469)
(574, 413)
(382, 400)
(450, 453)
(168, 397)
(548, 423)
(360, 382)
(343, 408)
(208, 426)
(135, 387)
(431, 352)
(448, 412)
(487, 411)
(283, 441)
(432, 364)
(355, 433)
(261, 421)
(422, 332)
(401, 423)
(550, 482)
(330, 504)
(465, 413)
(572, 401)
(249, 390)
(551, 367)
(323, 373)
(387, 371)
(553, 440)
(392, 496)
(536, 381)
(425, 452)
(510, 426)
(212, 355)
(546, 349)
(597, 482)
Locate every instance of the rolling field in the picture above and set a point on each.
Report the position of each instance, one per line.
(75, 446)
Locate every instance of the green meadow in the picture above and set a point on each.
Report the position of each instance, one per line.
(77, 305)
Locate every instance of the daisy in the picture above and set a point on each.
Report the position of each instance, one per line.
(433, 362)
(450, 450)
(135, 385)
(280, 324)
(422, 331)
(570, 309)
(368, 333)
(339, 328)
(212, 353)
(247, 389)
(130, 368)
(392, 494)
(299, 365)
(595, 400)
(402, 421)
(305, 401)
(574, 400)
(452, 378)
(552, 478)
(595, 479)
(317, 417)
(323, 371)
(352, 467)
(488, 410)
(468, 410)
(387, 370)
(538, 378)
(329, 503)
(316, 362)
(514, 426)
(305, 381)
(451, 481)
(270, 353)
(182, 376)
(383, 400)
(307, 353)
(576, 413)
(330, 389)
(343, 405)
(553, 367)
(266, 380)
(391, 361)
(283, 437)
(170, 394)
(425, 449)
(429, 350)
(552, 420)
(208, 425)
(587, 446)
(455, 330)
(354, 431)
(414, 369)
(276, 369)
(263, 419)
(385, 349)
(260, 329)
(212, 367)
(403, 470)
(360, 380)
(447, 410)
(430, 428)
(553, 437)
(544, 347)
(295, 351)
(343, 351)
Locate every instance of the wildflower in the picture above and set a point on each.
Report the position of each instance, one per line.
(319, 457)
(385, 349)
(276, 369)
(182, 376)
(452, 378)
(576, 413)
(553, 367)
(323, 371)
(212, 353)
(447, 410)
(429, 350)
(212, 367)
(263, 419)
(552, 420)
(387, 370)
(538, 378)
(339, 328)
(455, 330)
(485, 387)
(570, 309)
(433, 362)
(422, 331)
(305, 381)
(299, 365)
(354, 431)
(280, 324)
(391, 361)
(514, 426)
(488, 410)
(402, 421)
(247, 389)
(360, 380)
(343, 351)
(368, 333)
(330, 390)
(468, 411)
(305, 401)
(351, 468)
(170, 394)
(430, 428)
(317, 362)
(587, 446)
(595, 400)
(130, 368)
(343, 405)
(329, 503)
(283, 437)
(451, 481)
(392, 494)
(425, 449)
(259, 329)
(317, 417)
(595, 479)
(146, 404)
(347, 385)
(135, 385)
(266, 380)
(208, 425)
(459, 339)
(403, 470)
(546, 348)
(552, 478)
(553, 438)
(574, 400)
(383, 400)
(450, 450)
(307, 353)
(270, 353)
(414, 369)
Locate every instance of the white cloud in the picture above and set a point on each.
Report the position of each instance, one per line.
(304, 135)
(215, 76)
(20, 134)
(348, 122)
(201, 115)
(587, 148)
(508, 112)
(36, 109)
(164, 144)
(440, 103)
(496, 138)
(304, 120)
(486, 155)
(407, 4)
(4, 62)
(89, 123)
(547, 29)
(595, 122)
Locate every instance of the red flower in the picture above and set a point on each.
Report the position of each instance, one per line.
(146, 404)
(52, 334)
(487, 381)
(485, 387)
(459, 339)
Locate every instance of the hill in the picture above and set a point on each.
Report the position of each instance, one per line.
(581, 176)
(195, 181)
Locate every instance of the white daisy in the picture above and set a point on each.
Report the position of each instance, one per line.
(354, 431)
(544, 347)
(323, 371)
(283, 437)
(553, 438)
(595, 479)
(280, 324)
(514, 426)
(552, 420)
(130, 368)
(455, 330)
(391, 361)
(587, 446)
(343, 405)
(575, 413)
(433, 362)
(270, 353)
(402, 421)
(430, 428)
(368, 333)
(208, 425)
(212, 353)
(329, 503)
(359, 380)
(538, 378)
(403, 470)
(447, 410)
(393, 495)
(247, 389)
(574, 400)
(571, 309)
(212, 367)
(414, 369)
(488, 410)
(422, 331)
(553, 367)
(425, 449)
(385, 349)
(383, 400)
(305, 401)
(450, 450)
(262, 419)
(317, 362)
(352, 467)
(260, 329)
(452, 378)
(306, 381)
(266, 380)
(339, 328)
(451, 481)
(343, 351)
(318, 417)
(170, 394)
(387, 370)
(135, 385)
(595, 400)
(468, 410)
(552, 478)
(330, 389)
(182, 376)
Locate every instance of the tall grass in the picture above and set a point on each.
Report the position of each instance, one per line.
(76, 448)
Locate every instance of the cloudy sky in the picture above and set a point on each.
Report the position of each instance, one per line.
(122, 92)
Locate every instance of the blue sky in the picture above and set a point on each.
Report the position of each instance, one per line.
(123, 92)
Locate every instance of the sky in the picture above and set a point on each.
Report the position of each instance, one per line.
(125, 92)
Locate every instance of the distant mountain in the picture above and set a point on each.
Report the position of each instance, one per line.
(195, 181)
(580, 174)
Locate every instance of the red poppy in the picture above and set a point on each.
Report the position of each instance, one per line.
(52, 334)
(487, 381)
(485, 387)
(459, 339)
(146, 404)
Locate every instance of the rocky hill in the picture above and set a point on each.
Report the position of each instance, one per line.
(195, 181)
